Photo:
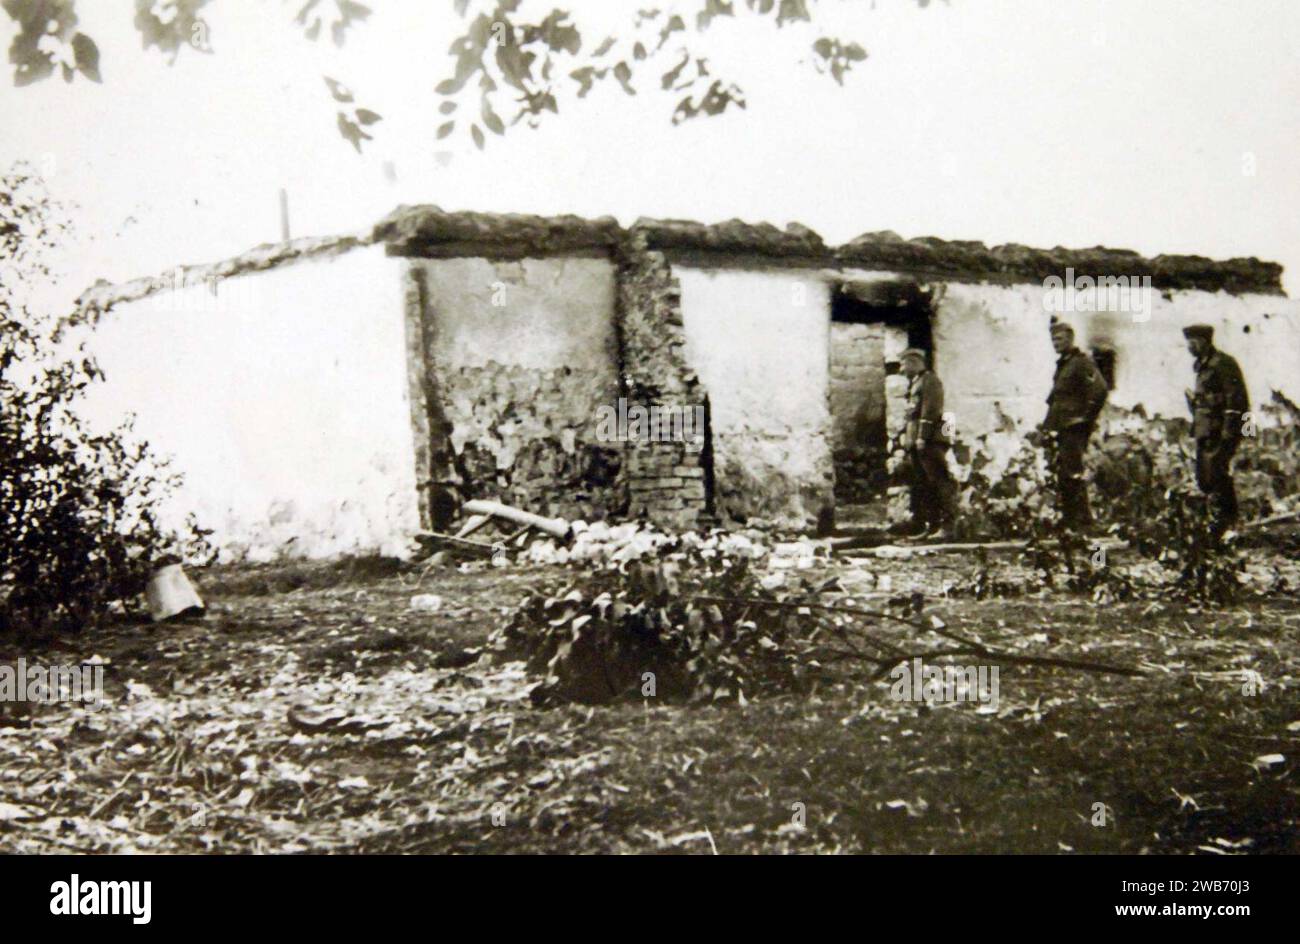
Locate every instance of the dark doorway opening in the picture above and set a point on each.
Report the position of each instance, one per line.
(870, 323)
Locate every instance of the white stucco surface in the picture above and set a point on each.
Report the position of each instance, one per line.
(993, 351)
(282, 399)
(535, 313)
(758, 341)
(760, 344)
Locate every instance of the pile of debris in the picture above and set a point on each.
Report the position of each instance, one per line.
(598, 543)
(517, 536)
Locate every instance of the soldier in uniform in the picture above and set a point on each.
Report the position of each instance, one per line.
(1218, 406)
(1078, 394)
(933, 492)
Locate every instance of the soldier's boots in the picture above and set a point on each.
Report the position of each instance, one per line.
(940, 532)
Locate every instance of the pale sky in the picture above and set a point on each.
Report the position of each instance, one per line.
(1128, 123)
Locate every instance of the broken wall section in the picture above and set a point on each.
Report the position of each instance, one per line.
(667, 475)
(514, 360)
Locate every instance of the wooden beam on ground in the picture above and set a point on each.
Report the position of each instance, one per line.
(514, 536)
(557, 527)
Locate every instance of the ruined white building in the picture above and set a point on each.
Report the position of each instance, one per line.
(321, 396)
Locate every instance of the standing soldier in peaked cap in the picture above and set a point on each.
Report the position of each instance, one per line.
(1218, 405)
(1078, 394)
(933, 491)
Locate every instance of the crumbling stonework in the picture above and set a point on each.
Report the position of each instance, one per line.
(102, 296)
(516, 358)
(525, 436)
(668, 482)
(732, 238)
(894, 342)
(972, 261)
(427, 231)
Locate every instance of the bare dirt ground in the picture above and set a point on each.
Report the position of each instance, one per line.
(314, 710)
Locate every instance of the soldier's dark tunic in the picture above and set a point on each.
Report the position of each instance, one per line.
(1078, 394)
(1218, 404)
(933, 491)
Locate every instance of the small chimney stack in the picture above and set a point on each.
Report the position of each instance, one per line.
(284, 215)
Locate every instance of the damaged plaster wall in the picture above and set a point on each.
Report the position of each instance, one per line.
(994, 354)
(518, 357)
(760, 343)
(313, 391)
(281, 396)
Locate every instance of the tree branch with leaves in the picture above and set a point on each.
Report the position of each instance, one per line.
(509, 66)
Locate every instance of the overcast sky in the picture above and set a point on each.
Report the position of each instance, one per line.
(1118, 122)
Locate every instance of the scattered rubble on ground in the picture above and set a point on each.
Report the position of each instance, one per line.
(552, 541)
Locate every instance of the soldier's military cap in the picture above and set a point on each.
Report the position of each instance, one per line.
(912, 352)
(1057, 327)
(1199, 331)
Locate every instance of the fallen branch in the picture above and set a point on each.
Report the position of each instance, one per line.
(1011, 658)
(911, 550)
(834, 608)
(968, 645)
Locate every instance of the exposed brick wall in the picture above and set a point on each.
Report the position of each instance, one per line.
(667, 481)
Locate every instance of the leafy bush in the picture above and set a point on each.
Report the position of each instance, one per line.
(1143, 492)
(1011, 498)
(684, 614)
(78, 524)
(1147, 496)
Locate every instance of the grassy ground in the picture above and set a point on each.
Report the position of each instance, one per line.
(315, 710)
